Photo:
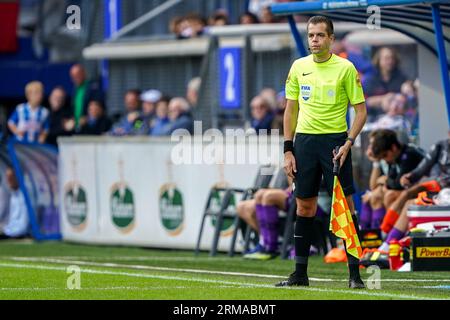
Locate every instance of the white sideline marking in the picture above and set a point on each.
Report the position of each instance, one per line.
(140, 267)
(236, 284)
(226, 273)
(140, 258)
(102, 288)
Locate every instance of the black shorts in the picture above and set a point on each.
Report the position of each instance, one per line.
(314, 159)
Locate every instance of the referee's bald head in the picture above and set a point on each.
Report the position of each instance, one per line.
(322, 19)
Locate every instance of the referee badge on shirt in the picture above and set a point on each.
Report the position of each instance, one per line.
(305, 90)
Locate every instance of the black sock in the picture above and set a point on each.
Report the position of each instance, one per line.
(302, 238)
(353, 263)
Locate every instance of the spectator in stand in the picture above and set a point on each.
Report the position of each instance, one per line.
(279, 112)
(266, 16)
(256, 6)
(262, 115)
(248, 18)
(409, 90)
(394, 106)
(84, 91)
(149, 100)
(97, 122)
(30, 121)
(175, 26)
(192, 91)
(270, 95)
(219, 18)
(386, 78)
(59, 116)
(161, 121)
(197, 24)
(129, 123)
(17, 225)
(261, 8)
(180, 116)
(190, 26)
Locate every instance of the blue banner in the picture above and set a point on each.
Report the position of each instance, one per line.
(5, 163)
(113, 17)
(230, 77)
(36, 168)
(113, 23)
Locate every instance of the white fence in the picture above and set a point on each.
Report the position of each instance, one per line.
(128, 191)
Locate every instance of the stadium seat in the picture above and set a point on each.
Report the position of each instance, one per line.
(277, 181)
(288, 232)
(262, 180)
(240, 225)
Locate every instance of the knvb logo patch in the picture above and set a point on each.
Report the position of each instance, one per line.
(305, 92)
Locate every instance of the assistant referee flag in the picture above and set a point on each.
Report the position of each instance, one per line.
(341, 222)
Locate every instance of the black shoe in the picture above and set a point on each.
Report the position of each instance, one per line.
(375, 257)
(294, 280)
(356, 283)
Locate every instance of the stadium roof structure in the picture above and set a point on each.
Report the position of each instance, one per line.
(425, 21)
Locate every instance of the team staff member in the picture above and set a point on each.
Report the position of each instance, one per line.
(318, 90)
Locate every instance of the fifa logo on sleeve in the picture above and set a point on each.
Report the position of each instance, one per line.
(73, 22)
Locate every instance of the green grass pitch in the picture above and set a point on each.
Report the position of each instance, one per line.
(32, 270)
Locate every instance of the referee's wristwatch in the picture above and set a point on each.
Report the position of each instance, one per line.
(352, 141)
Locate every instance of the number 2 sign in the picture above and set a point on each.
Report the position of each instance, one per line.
(230, 77)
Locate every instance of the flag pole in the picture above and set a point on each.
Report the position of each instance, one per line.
(341, 220)
(336, 165)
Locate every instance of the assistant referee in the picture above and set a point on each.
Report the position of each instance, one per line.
(319, 89)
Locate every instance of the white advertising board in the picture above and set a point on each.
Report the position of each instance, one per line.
(131, 191)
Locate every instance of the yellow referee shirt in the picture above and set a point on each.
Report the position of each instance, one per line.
(323, 91)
